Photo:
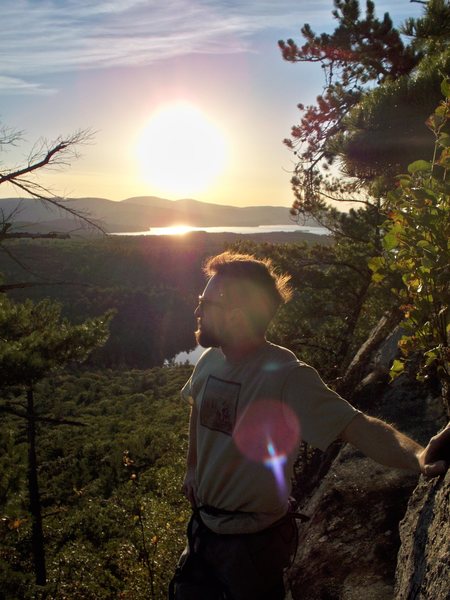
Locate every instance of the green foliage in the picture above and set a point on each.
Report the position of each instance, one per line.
(385, 132)
(151, 284)
(416, 248)
(431, 33)
(35, 340)
(106, 519)
(114, 526)
(367, 124)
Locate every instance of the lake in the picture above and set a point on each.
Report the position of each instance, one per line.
(190, 357)
(183, 229)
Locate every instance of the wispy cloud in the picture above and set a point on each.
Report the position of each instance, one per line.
(51, 36)
(14, 85)
(42, 37)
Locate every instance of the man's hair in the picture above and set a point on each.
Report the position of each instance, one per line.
(251, 284)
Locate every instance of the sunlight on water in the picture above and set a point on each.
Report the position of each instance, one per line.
(172, 230)
(183, 229)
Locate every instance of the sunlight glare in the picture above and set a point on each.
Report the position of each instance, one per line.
(181, 151)
(172, 230)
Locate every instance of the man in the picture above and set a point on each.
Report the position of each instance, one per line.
(252, 404)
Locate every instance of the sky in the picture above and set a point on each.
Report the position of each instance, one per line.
(183, 98)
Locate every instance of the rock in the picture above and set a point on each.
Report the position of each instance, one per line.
(344, 552)
(358, 506)
(348, 550)
(423, 570)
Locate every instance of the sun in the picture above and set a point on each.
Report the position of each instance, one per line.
(181, 151)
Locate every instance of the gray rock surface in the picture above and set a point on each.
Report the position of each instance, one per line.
(423, 570)
(348, 550)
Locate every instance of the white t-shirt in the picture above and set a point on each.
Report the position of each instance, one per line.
(252, 416)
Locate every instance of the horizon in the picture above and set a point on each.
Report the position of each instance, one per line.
(145, 197)
(189, 99)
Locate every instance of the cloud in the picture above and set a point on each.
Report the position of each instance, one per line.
(13, 85)
(51, 36)
(44, 37)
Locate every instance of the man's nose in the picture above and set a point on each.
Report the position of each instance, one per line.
(197, 311)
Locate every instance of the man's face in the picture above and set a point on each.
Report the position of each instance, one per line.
(211, 315)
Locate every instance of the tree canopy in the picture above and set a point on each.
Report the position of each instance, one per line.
(379, 89)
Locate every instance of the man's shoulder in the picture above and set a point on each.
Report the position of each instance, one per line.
(284, 361)
(282, 354)
(211, 358)
(209, 355)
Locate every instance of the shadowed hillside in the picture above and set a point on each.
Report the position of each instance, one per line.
(139, 214)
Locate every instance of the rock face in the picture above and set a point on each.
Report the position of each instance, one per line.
(348, 550)
(423, 570)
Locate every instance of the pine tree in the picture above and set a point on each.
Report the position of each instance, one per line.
(34, 342)
(367, 124)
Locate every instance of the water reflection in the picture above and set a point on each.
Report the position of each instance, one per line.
(183, 229)
(190, 357)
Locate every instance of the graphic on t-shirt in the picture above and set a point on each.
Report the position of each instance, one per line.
(219, 405)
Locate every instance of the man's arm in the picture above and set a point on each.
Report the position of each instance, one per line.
(190, 483)
(388, 446)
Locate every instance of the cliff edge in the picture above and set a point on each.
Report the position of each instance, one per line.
(377, 533)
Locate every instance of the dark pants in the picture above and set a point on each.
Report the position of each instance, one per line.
(235, 567)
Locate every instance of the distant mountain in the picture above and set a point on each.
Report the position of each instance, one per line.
(138, 214)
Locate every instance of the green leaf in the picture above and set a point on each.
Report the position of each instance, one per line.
(378, 277)
(376, 263)
(427, 264)
(439, 114)
(397, 368)
(419, 165)
(431, 356)
(444, 159)
(427, 246)
(444, 140)
(445, 88)
(404, 181)
(390, 240)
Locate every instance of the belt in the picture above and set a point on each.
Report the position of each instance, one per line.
(219, 512)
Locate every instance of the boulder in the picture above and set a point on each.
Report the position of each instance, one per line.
(423, 568)
(348, 549)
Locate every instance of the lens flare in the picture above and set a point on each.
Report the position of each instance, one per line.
(267, 432)
(276, 462)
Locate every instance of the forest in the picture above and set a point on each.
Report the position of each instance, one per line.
(93, 433)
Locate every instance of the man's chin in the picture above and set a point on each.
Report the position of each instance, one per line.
(206, 340)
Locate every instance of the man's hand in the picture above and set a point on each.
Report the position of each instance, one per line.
(435, 458)
(190, 488)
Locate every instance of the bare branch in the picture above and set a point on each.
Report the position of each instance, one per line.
(45, 155)
(58, 153)
(9, 136)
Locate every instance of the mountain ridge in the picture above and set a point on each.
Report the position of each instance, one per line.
(138, 213)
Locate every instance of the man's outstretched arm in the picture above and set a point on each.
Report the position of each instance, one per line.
(388, 446)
